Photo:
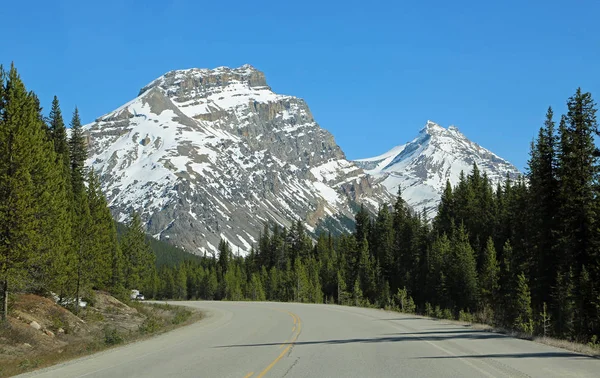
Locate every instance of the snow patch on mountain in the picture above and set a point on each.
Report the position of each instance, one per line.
(422, 167)
(205, 155)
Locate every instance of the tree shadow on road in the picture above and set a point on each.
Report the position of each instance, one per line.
(414, 336)
(514, 355)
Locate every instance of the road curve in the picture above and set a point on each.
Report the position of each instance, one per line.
(250, 339)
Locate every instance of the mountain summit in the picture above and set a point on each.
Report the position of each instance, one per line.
(205, 155)
(422, 167)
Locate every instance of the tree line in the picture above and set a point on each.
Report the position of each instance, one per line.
(521, 255)
(57, 234)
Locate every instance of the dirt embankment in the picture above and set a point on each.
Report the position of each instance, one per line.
(40, 333)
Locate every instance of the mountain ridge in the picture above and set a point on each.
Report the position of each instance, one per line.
(206, 155)
(422, 166)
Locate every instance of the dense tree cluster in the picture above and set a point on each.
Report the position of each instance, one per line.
(56, 231)
(523, 255)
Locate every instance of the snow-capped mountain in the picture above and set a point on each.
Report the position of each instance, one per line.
(208, 154)
(422, 167)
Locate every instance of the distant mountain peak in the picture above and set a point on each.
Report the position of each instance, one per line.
(184, 80)
(422, 166)
(211, 154)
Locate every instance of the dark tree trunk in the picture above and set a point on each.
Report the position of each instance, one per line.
(4, 315)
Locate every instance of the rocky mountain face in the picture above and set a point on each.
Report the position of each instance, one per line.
(209, 154)
(422, 167)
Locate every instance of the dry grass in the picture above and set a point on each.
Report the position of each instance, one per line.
(586, 349)
(109, 323)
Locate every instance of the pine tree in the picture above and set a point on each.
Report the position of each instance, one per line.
(357, 295)
(543, 195)
(383, 237)
(180, 280)
(103, 244)
(564, 312)
(53, 227)
(578, 174)
(444, 219)
(363, 223)
(137, 255)
(78, 151)
(505, 310)
(22, 170)
(578, 170)
(524, 320)
(58, 133)
(462, 272)
(81, 261)
(225, 255)
(489, 274)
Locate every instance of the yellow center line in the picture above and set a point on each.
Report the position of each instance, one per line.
(289, 345)
(249, 375)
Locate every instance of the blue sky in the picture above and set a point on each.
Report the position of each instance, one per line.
(372, 72)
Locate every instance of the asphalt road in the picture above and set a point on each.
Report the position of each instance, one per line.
(242, 339)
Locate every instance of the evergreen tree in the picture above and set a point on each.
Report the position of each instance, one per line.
(82, 259)
(564, 313)
(524, 320)
(444, 219)
(225, 255)
(103, 244)
(543, 196)
(489, 275)
(578, 170)
(58, 133)
(22, 170)
(357, 295)
(383, 237)
(462, 272)
(78, 151)
(137, 255)
(180, 281)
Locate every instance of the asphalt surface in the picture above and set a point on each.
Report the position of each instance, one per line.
(249, 339)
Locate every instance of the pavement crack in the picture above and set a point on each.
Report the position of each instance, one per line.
(293, 364)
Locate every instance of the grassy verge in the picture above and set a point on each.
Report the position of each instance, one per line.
(589, 349)
(105, 333)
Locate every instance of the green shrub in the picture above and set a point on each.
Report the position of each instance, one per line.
(112, 337)
(150, 325)
(90, 298)
(181, 315)
(428, 309)
(447, 314)
(29, 364)
(465, 316)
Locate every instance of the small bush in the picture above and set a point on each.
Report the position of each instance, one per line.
(150, 325)
(465, 316)
(29, 364)
(161, 306)
(438, 312)
(93, 316)
(594, 342)
(428, 309)
(112, 337)
(181, 316)
(90, 298)
(447, 314)
(484, 316)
